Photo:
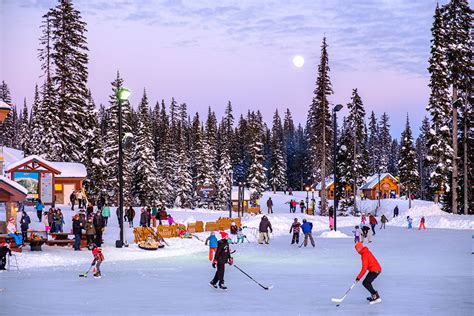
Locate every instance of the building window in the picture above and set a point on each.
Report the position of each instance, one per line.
(58, 187)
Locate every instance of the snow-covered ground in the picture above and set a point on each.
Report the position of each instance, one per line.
(427, 272)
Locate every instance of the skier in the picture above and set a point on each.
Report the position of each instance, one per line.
(77, 231)
(12, 232)
(363, 219)
(4, 249)
(105, 213)
(307, 227)
(24, 224)
(270, 205)
(212, 240)
(302, 206)
(422, 224)
(99, 228)
(233, 232)
(395, 211)
(295, 228)
(383, 220)
(221, 257)
(98, 258)
(90, 231)
(410, 222)
(370, 263)
(357, 234)
(372, 222)
(264, 226)
(39, 206)
(366, 233)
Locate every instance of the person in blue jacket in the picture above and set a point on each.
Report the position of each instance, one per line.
(307, 227)
(39, 209)
(212, 240)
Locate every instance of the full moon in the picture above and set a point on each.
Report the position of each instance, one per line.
(298, 61)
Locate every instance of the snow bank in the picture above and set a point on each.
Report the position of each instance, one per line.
(333, 234)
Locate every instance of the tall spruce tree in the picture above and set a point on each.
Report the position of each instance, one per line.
(319, 125)
(184, 191)
(256, 178)
(385, 142)
(408, 166)
(422, 152)
(290, 149)
(393, 158)
(278, 179)
(7, 128)
(373, 144)
(24, 129)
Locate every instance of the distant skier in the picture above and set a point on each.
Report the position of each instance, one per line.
(212, 240)
(233, 232)
(270, 206)
(221, 257)
(363, 219)
(383, 220)
(98, 259)
(410, 222)
(357, 232)
(373, 222)
(395, 211)
(307, 228)
(370, 263)
(422, 224)
(263, 228)
(4, 249)
(295, 228)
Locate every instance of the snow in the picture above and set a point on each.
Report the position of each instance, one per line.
(70, 169)
(158, 281)
(4, 106)
(26, 159)
(329, 181)
(373, 180)
(14, 184)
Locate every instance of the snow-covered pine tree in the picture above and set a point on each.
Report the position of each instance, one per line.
(144, 163)
(224, 183)
(408, 165)
(163, 129)
(70, 59)
(393, 158)
(170, 160)
(7, 128)
(345, 164)
(301, 157)
(211, 150)
(278, 179)
(373, 144)
(35, 125)
(94, 154)
(290, 149)
(319, 125)
(111, 145)
(24, 129)
(422, 152)
(357, 149)
(385, 142)
(440, 151)
(239, 152)
(256, 177)
(184, 178)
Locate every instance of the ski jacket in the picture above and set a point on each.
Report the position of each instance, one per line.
(90, 229)
(72, 198)
(98, 222)
(59, 218)
(368, 263)
(233, 229)
(372, 220)
(269, 202)
(365, 230)
(307, 227)
(39, 206)
(4, 250)
(97, 253)
(11, 228)
(76, 227)
(383, 219)
(293, 203)
(222, 255)
(295, 228)
(143, 218)
(422, 220)
(25, 222)
(106, 211)
(130, 213)
(265, 225)
(356, 232)
(212, 240)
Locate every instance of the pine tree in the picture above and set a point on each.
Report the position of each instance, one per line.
(7, 128)
(393, 158)
(211, 150)
(440, 151)
(319, 125)
(35, 125)
(373, 144)
(24, 130)
(163, 187)
(422, 151)
(239, 153)
(224, 183)
(256, 177)
(278, 179)
(290, 149)
(385, 142)
(184, 191)
(301, 156)
(345, 154)
(408, 165)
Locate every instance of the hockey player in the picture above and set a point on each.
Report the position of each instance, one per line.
(370, 263)
(212, 240)
(295, 228)
(98, 258)
(221, 257)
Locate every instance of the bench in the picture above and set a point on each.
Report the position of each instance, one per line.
(60, 242)
(13, 246)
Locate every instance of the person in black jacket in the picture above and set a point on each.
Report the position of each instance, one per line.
(4, 249)
(221, 257)
(130, 215)
(77, 231)
(143, 218)
(263, 228)
(99, 225)
(24, 224)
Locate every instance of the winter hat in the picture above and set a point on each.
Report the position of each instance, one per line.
(233, 224)
(224, 235)
(12, 220)
(304, 220)
(359, 246)
(212, 233)
(296, 219)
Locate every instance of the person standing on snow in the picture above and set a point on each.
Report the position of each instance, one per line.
(363, 219)
(99, 228)
(130, 214)
(331, 222)
(357, 234)
(105, 213)
(270, 206)
(98, 258)
(77, 231)
(422, 224)
(395, 211)
(372, 222)
(24, 225)
(307, 228)
(72, 199)
(233, 232)
(212, 240)
(90, 231)
(295, 228)
(302, 206)
(383, 220)
(143, 218)
(39, 206)
(410, 222)
(370, 263)
(221, 257)
(263, 228)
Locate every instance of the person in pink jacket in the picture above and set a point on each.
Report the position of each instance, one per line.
(331, 222)
(363, 219)
(170, 220)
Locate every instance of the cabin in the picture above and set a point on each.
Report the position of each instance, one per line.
(50, 181)
(388, 184)
(10, 194)
(330, 189)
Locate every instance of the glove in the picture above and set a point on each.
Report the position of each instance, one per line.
(214, 264)
(231, 261)
(357, 280)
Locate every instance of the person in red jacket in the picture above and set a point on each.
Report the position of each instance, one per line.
(372, 222)
(98, 258)
(372, 265)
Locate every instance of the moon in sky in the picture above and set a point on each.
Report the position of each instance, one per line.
(298, 61)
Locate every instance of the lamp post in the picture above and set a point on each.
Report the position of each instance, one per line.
(231, 175)
(307, 196)
(380, 192)
(312, 193)
(122, 95)
(336, 109)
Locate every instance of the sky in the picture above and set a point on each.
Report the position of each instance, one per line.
(205, 53)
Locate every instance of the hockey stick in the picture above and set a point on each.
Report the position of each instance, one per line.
(339, 300)
(301, 245)
(264, 287)
(84, 275)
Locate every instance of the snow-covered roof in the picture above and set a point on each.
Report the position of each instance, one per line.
(235, 193)
(14, 184)
(70, 169)
(329, 181)
(26, 160)
(3, 105)
(373, 180)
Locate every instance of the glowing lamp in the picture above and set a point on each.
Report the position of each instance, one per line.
(123, 94)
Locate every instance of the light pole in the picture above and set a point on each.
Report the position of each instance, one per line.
(122, 95)
(312, 193)
(307, 197)
(380, 192)
(336, 109)
(230, 198)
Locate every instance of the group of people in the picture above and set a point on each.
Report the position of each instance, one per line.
(306, 227)
(149, 215)
(79, 197)
(92, 224)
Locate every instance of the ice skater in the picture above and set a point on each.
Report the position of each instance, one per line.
(363, 219)
(383, 220)
(98, 258)
(221, 257)
(369, 263)
(240, 236)
(422, 224)
(373, 222)
(410, 222)
(295, 228)
(356, 233)
(307, 228)
(233, 232)
(366, 233)
(4, 249)
(212, 240)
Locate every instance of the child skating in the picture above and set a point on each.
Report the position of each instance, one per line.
(212, 240)
(98, 258)
(422, 224)
(410, 222)
(357, 234)
(295, 228)
(363, 219)
(369, 263)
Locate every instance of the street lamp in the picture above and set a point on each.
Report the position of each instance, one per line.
(4, 110)
(335, 109)
(231, 176)
(307, 197)
(312, 193)
(122, 95)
